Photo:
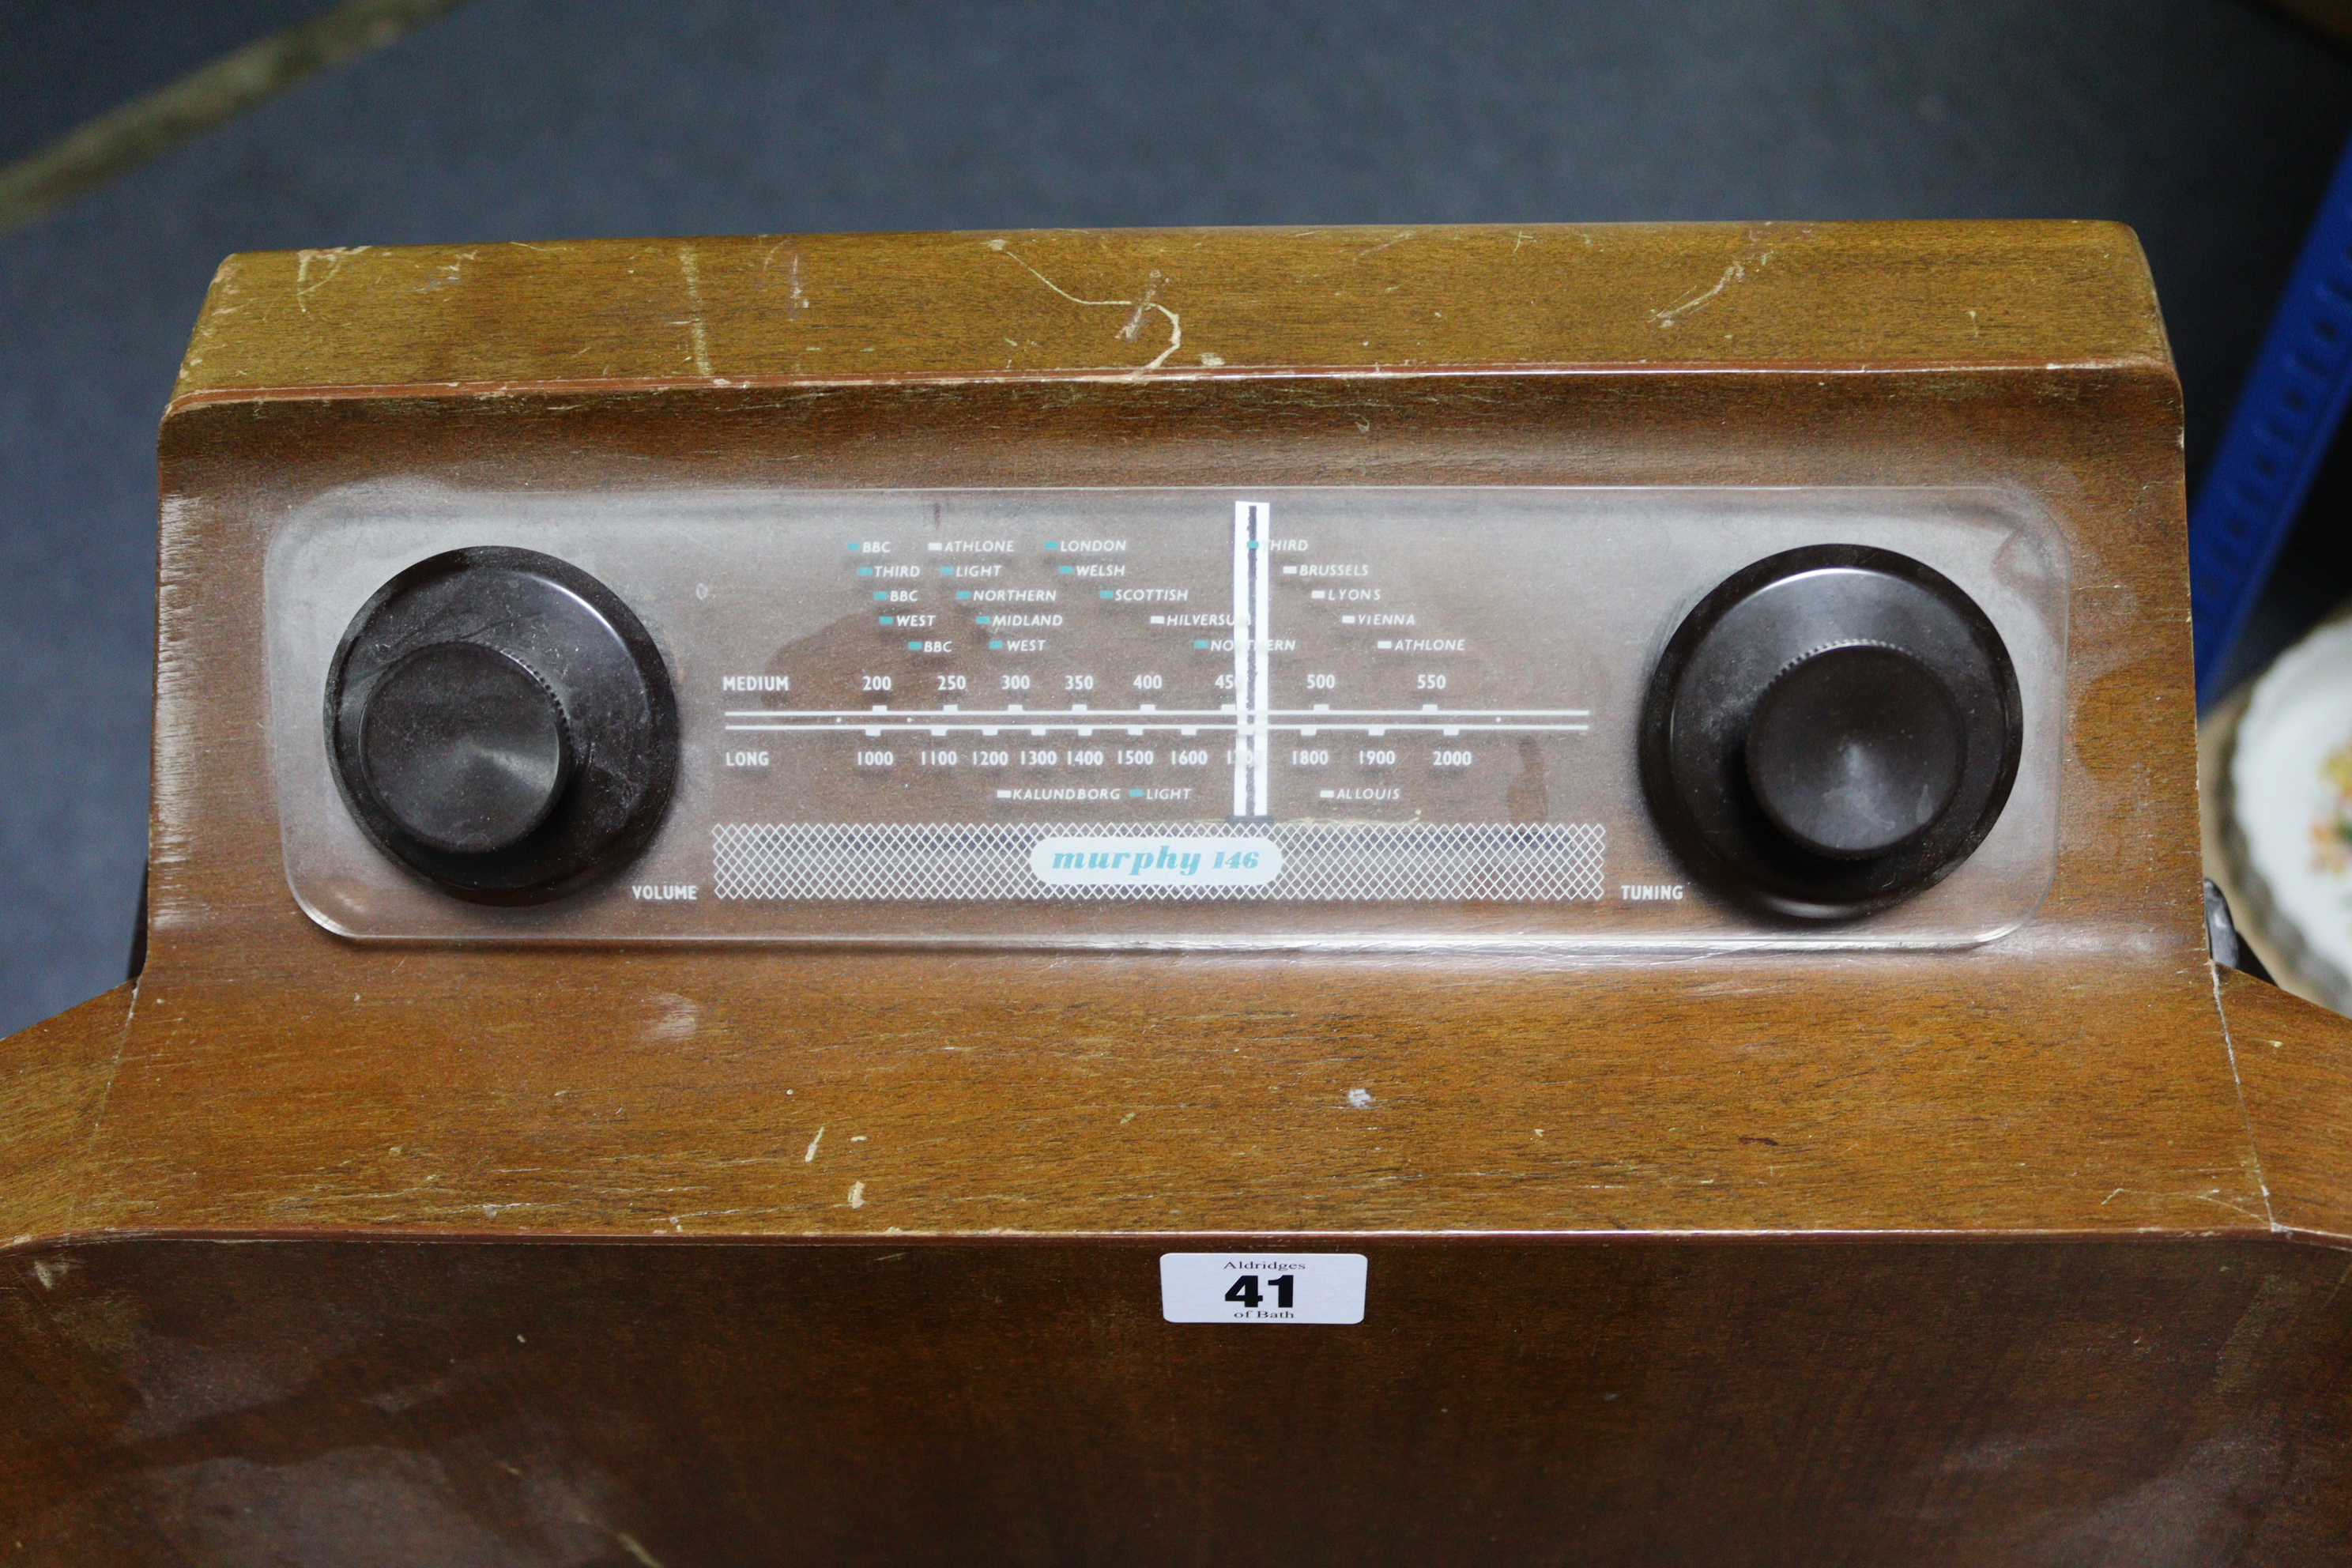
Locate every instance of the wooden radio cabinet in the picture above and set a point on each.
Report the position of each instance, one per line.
(1638, 779)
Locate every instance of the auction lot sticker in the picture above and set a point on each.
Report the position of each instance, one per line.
(1262, 1287)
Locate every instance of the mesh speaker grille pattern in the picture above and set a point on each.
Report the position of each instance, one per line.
(1505, 862)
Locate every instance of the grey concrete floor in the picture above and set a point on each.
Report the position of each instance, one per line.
(2209, 125)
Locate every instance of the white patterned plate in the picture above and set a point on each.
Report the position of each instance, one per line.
(2291, 808)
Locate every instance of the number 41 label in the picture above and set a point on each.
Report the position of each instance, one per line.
(1262, 1287)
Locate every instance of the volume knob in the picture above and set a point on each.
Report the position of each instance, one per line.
(503, 725)
(465, 747)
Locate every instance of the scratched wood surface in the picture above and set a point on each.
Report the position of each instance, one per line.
(2295, 1060)
(682, 1089)
(1168, 302)
(1611, 1403)
(273, 1076)
(2074, 1078)
(53, 1083)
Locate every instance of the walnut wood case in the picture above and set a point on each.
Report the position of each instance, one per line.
(2033, 1252)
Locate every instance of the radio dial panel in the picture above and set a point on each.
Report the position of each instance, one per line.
(1289, 716)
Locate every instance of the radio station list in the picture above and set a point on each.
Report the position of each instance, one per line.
(1090, 674)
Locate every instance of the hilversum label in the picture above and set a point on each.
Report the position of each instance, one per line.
(1262, 1287)
(1100, 859)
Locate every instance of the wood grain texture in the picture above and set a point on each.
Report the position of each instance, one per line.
(1018, 305)
(1634, 1402)
(649, 1091)
(679, 1090)
(2296, 1061)
(54, 1079)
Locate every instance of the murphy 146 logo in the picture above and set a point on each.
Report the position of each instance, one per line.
(1096, 860)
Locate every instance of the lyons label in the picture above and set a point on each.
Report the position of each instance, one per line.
(1093, 861)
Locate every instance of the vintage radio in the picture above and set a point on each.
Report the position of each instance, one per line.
(1332, 896)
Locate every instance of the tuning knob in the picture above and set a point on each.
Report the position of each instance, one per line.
(503, 725)
(1832, 730)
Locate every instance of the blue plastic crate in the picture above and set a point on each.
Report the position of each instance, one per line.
(2278, 437)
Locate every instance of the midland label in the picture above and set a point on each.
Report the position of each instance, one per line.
(1262, 1287)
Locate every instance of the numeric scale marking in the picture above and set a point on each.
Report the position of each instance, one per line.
(951, 721)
